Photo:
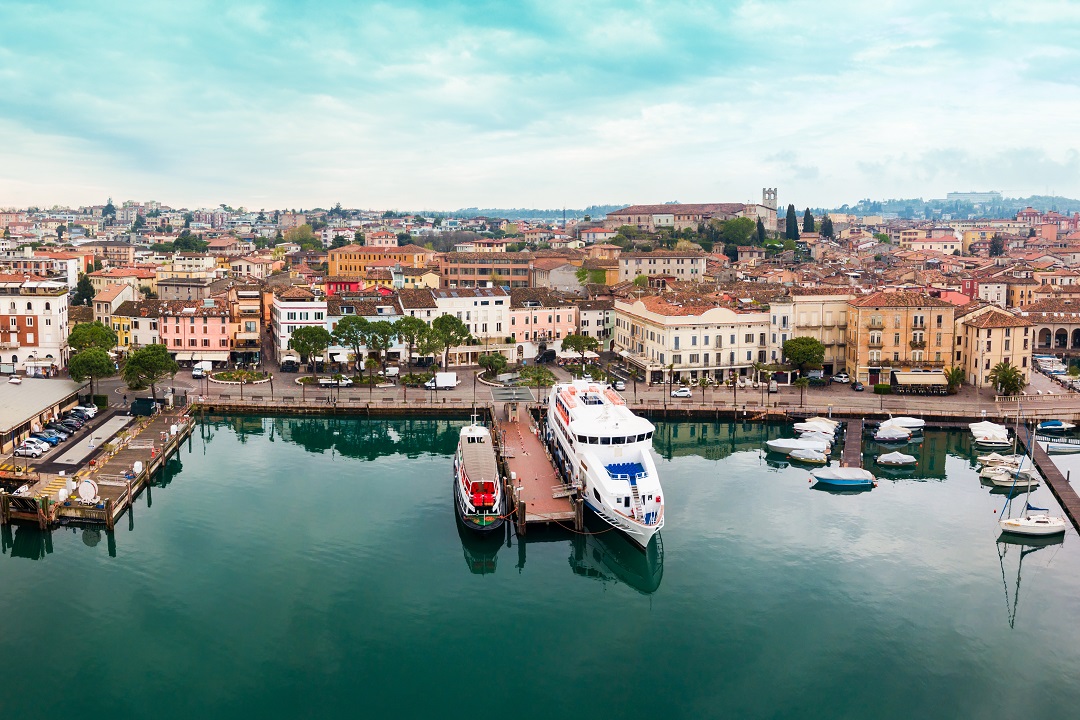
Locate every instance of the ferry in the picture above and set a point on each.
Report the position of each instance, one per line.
(605, 450)
(478, 495)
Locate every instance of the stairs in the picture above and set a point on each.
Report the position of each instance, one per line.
(639, 507)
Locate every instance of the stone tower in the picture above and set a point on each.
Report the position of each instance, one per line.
(768, 198)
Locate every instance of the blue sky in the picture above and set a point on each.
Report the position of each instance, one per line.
(440, 105)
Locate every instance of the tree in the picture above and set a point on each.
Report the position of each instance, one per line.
(737, 231)
(358, 237)
(147, 293)
(381, 337)
(371, 365)
(408, 330)
(300, 235)
(84, 291)
(351, 331)
(997, 246)
(732, 252)
(954, 376)
(311, 342)
(883, 238)
(703, 382)
(580, 344)
(91, 364)
(802, 383)
(804, 351)
(60, 233)
(339, 241)
(1007, 378)
(791, 225)
(641, 281)
(760, 232)
(85, 336)
(808, 221)
(493, 363)
(148, 366)
(448, 331)
(827, 228)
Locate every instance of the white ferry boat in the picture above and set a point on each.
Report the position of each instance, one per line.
(606, 450)
(478, 494)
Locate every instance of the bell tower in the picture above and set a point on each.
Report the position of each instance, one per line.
(768, 198)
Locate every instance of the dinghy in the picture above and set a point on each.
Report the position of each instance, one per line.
(897, 459)
(844, 477)
(812, 457)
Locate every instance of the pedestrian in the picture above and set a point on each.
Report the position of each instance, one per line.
(125, 400)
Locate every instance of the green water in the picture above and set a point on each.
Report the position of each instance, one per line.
(288, 568)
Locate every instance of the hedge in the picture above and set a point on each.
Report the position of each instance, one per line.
(883, 389)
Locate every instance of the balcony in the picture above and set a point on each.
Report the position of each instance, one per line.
(917, 344)
(875, 344)
(246, 344)
(876, 324)
(9, 346)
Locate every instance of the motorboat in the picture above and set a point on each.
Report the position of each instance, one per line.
(998, 442)
(911, 423)
(812, 457)
(814, 426)
(897, 459)
(996, 459)
(819, 436)
(892, 434)
(844, 477)
(787, 445)
(1038, 525)
(1062, 448)
(1054, 426)
(990, 435)
(600, 446)
(986, 427)
(479, 498)
(1006, 478)
(834, 424)
(990, 471)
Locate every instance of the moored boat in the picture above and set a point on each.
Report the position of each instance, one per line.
(1054, 426)
(892, 434)
(910, 423)
(811, 457)
(897, 459)
(479, 499)
(1062, 448)
(844, 477)
(1038, 525)
(786, 445)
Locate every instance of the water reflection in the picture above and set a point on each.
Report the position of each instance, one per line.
(1019, 547)
(609, 557)
(480, 550)
(25, 541)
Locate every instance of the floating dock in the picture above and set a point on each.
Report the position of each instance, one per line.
(538, 491)
(853, 439)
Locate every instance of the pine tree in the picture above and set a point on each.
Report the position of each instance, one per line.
(791, 229)
(826, 227)
(808, 221)
(760, 232)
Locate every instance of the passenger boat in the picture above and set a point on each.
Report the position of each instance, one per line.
(787, 445)
(844, 477)
(604, 449)
(896, 459)
(1054, 426)
(479, 499)
(1062, 448)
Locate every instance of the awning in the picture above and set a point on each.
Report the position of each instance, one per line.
(919, 378)
(624, 353)
(569, 355)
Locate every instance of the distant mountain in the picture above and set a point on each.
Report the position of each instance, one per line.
(917, 208)
(595, 212)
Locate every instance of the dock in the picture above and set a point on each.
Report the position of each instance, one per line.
(538, 491)
(1058, 483)
(853, 438)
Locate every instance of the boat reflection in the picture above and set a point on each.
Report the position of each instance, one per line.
(610, 557)
(1011, 544)
(481, 549)
(834, 490)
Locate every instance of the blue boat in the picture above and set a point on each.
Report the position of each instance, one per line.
(845, 477)
(1051, 426)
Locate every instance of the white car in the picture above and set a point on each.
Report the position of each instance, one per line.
(619, 385)
(26, 449)
(41, 445)
(683, 392)
(90, 410)
(331, 382)
(841, 378)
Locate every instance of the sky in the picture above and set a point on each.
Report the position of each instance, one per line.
(416, 104)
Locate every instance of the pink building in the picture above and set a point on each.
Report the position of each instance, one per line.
(195, 331)
(538, 317)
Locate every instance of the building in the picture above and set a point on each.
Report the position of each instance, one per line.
(196, 332)
(246, 326)
(677, 336)
(137, 278)
(293, 308)
(485, 311)
(987, 336)
(381, 239)
(680, 264)
(108, 300)
(596, 318)
(352, 260)
(651, 218)
(539, 320)
(820, 313)
(897, 331)
(33, 325)
(136, 323)
(115, 253)
(27, 406)
(371, 308)
(486, 270)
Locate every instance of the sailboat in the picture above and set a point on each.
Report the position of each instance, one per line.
(1035, 521)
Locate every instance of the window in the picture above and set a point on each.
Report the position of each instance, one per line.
(30, 321)
(896, 339)
(193, 342)
(206, 342)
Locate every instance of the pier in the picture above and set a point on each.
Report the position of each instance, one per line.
(1058, 483)
(538, 491)
(853, 440)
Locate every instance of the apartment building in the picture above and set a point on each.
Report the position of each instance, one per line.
(136, 323)
(196, 332)
(820, 313)
(486, 270)
(596, 318)
(679, 264)
(135, 277)
(33, 325)
(108, 299)
(897, 331)
(293, 308)
(986, 336)
(355, 259)
(485, 311)
(246, 326)
(539, 320)
(691, 337)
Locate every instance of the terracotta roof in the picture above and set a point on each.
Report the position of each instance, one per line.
(905, 299)
(997, 318)
(544, 296)
(418, 299)
(678, 209)
(110, 292)
(296, 293)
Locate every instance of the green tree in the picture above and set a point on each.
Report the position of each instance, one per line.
(84, 291)
(802, 383)
(493, 363)
(737, 231)
(358, 237)
(703, 382)
(311, 342)
(804, 351)
(91, 364)
(448, 331)
(109, 210)
(409, 329)
(371, 365)
(381, 337)
(300, 235)
(997, 246)
(954, 376)
(580, 344)
(351, 331)
(85, 336)
(1007, 378)
(641, 281)
(791, 225)
(339, 241)
(60, 233)
(760, 232)
(883, 238)
(148, 366)
(732, 252)
(827, 228)
(808, 221)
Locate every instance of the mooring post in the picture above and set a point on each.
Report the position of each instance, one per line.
(109, 514)
(579, 515)
(4, 505)
(521, 517)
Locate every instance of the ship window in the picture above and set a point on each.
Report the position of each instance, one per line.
(648, 436)
(594, 441)
(596, 494)
(581, 439)
(626, 501)
(605, 441)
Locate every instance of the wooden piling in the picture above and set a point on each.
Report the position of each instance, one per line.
(521, 517)
(5, 508)
(579, 514)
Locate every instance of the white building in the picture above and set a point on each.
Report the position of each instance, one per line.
(682, 265)
(485, 311)
(294, 308)
(33, 325)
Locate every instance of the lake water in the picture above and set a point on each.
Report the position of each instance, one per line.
(310, 567)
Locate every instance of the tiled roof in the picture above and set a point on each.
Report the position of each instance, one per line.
(110, 292)
(997, 318)
(904, 299)
(689, 209)
(418, 299)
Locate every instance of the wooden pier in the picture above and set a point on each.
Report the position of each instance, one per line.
(147, 447)
(853, 439)
(1059, 484)
(538, 491)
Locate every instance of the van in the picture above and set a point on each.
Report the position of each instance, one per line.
(198, 373)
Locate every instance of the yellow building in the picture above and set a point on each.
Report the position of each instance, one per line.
(897, 331)
(986, 336)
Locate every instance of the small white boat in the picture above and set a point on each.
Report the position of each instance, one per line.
(992, 471)
(814, 426)
(996, 459)
(987, 428)
(787, 445)
(1000, 442)
(911, 423)
(824, 421)
(1006, 479)
(1062, 448)
(1054, 426)
(897, 459)
(814, 457)
(892, 433)
(818, 436)
(848, 477)
(1036, 525)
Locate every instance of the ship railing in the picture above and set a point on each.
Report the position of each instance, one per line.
(628, 477)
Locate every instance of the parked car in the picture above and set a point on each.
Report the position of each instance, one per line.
(841, 378)
(63, 432)
(52, 440)
(85, 417)
(290, 366)
(683, 392)
(857, 386)
(331, 382)
(90, 410)
(619, 385)
(53, 433)
(25, 449)
(71, 425)
(44, 446)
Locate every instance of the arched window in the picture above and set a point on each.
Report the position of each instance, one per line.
(48, 307)
(13, 307)
(15, 358)
(29, 306)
